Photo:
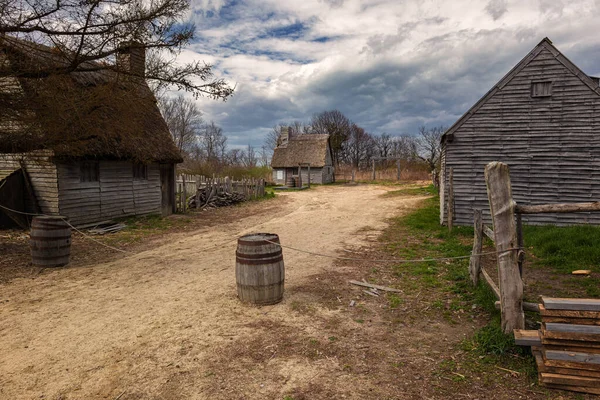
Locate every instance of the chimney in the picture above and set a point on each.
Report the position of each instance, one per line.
(284, 137)
(131, 57)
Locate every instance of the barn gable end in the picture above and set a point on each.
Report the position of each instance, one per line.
(542, 120)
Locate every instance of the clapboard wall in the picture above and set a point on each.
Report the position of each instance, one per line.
(115, 194)
(551, 144)
(42, 175)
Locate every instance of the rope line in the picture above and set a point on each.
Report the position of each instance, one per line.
(400, 261)
(104, 244)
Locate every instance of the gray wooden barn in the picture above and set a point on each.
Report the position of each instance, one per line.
(543, 120)
(303, 150)
(91, 146)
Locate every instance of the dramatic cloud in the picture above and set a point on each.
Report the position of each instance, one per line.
(389, 66)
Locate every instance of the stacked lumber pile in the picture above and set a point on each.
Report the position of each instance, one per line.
(567, 348)
(210, 197)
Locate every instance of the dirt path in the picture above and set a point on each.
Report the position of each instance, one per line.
(161, 324)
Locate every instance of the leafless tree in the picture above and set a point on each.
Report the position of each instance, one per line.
(336, 125)
(250, 159)
(86, 36)
(358, 149)
(213, 143)
(295, 128)
(429, 145)
(184, 119)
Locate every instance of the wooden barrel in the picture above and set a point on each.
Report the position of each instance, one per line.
(50, 241)
(290, 181)
(259, 271)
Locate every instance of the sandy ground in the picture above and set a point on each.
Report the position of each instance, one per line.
(165, 323)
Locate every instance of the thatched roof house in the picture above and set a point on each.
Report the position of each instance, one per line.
(541, 119)
(93, 143)
(303, 150)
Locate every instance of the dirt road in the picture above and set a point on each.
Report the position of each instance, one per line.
(166, 324)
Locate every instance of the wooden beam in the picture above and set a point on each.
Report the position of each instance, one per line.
(527, 337)
(488, 232)
(370, 285)
(559, 208)
(533, 307)
(491, 282)
(497, 178)
(553, 303)
(475, 261)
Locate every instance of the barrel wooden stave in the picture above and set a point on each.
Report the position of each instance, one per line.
(50, 241)
(290, 181)
(259, 269)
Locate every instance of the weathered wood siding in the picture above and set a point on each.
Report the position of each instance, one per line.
(42, 174)
(551, 144)
(115, 194)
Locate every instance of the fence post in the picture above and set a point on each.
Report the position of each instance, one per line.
(308, 176)
(184, 202)
(398, 168)
(475, 261)
(450, 199)
(502, 208)
(373, 175)
(521, 254)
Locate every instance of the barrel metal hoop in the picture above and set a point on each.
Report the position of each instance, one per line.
(260, 262)
(257, 242)
(257, 256)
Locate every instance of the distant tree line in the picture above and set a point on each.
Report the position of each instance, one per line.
(203, 144)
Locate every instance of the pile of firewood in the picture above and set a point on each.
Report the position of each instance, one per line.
(209, 197)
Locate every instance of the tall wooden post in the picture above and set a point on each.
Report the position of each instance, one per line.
(398, 168)
(502, 208)
(353, 175)
(521, 254)
(450, 199)
(184, 189)
(475, 261)
(308, 176)
(373, 176)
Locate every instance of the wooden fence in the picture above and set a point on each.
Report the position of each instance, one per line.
(188, 185)
(507, 235)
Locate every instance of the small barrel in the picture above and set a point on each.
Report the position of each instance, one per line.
(259, 270)
(290, 181)
(50, 241)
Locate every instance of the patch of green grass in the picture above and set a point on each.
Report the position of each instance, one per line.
(413, 191)
(394, 300)
(565, 249)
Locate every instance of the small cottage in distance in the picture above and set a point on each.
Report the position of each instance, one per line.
(88, 145)
(304, 150)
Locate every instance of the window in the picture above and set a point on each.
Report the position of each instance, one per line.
(140, 172)
(89, 171)
(279, 174)
(541, 89)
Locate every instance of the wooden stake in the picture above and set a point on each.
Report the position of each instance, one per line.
(398, 168)
(475, 262)
(373, 176)
(450, 199)
(502, 208)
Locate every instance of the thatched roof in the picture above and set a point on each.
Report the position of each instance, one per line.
(85, 114)
(302, 149)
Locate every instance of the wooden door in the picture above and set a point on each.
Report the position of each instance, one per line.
(167, 188)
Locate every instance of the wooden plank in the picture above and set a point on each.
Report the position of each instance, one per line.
(475, 261)
(502, 206)
(570, 380)
(527, 337)
(559, 208)
(569, 371)
(488, 232)
(552, 303)
(491, 283)
(370, 285)
(568, 313)
(450, 206)
(574, 336)
(571, 356)
(571, 364)
(580, 389)
(548, 342)
(562, 327)
(533, 307)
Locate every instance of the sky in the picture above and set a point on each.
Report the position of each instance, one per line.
(388, 65)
